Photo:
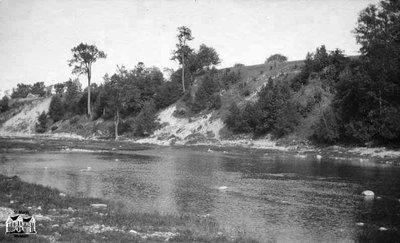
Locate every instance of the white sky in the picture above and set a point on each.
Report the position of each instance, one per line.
(36, 36)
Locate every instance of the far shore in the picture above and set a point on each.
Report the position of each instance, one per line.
(49, 142)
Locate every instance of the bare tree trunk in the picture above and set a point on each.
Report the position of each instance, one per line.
(116, 124)
(88, 102)
(183, 72)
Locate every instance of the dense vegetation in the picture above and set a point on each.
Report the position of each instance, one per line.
(366, 89)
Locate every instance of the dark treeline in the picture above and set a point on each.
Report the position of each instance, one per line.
(366, 89)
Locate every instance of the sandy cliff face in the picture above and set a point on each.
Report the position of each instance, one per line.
(183, 130)
(24, 122)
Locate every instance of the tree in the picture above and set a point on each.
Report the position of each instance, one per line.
(39, 88)
(41, 125)
(121, 94)
(4, 106)
(59, 88)
(368, 91)
(204, 95)
(183, 50)
(56, 109)
(234, 120)
(21, 91)
(205, 57)
(72, 94)
(276, 58)
(83, 57)
(145, 121)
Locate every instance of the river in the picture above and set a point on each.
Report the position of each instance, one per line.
(272, 196)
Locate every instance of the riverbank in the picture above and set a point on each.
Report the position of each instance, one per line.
(60, 217)
(64, 143)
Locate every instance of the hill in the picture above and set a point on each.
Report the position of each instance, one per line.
(177, 124)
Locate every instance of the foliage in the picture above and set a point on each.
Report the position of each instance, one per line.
(39, 89)
(182, 50)
(234, 119)
(276, 58)
(83, 57)
(229, 77)
(41, 125)
(72, 95)
(145, 122)
(327, 65)
(21, 91)
(204, 98)
(368, 91)
(327, 128)
(56, 109)
(272, 113)
(238, 65)
(204, 58)
(4, 104)
(59, 88)
(167, 94)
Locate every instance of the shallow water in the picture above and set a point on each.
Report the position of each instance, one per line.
(270, 197)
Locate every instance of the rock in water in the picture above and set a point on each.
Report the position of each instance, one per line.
(98, 205)
(368, 194)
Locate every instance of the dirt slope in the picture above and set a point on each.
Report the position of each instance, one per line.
(24, 121)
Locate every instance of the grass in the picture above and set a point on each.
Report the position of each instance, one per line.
(19, 195)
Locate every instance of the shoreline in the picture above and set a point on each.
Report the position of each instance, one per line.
(64, 142)
(60, 217)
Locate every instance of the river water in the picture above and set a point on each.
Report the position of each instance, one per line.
(270, 197)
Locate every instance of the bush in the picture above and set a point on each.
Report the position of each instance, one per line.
(4, 104)
(234, 119)
(145, 122)
(41, 125)
(167, 94)
(238, 65)
(326, 129)
(229, 77)
(287, 119)
(204, 95)
(56, 109)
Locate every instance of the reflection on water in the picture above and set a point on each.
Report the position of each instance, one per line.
(273, 197)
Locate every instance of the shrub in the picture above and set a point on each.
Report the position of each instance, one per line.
(204, 95)
(286, 120)
(41, 125)
(56, 109)
(238, 65)
(229, 77)
(326, 129)
(145, 122)
(167, 94)
(234, 119)
(4, 104)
